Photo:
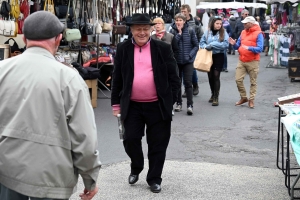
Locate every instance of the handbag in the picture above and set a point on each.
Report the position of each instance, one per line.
(8, 28)
(203, 60)
(14, 47)
(5, 9)
(119, 29)
(49, 6)
(72, 34)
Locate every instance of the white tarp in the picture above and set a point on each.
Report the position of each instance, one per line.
(279, 1)
(232, 5)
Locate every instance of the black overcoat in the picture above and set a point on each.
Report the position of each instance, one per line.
(165, 72)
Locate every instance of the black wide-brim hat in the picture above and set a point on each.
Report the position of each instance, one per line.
(140, 19)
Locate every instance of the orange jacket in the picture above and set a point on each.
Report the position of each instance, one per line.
(249, 38)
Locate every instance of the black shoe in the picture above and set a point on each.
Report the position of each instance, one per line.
(226, 70)
(229, 52)
(132, 179)
(233, 53)
(155, 188)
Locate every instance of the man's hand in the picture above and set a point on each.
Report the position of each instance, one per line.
(115, 112)
(232, 41)
(245, 47)
(88, 194)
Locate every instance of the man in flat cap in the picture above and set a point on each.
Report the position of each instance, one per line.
(47, 129)
(145, 85)
(249, 45)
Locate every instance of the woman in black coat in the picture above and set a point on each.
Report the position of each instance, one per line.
(188, 47)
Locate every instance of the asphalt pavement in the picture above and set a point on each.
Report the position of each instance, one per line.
(221, 152)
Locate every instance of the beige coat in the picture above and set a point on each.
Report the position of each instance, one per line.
(47, 127)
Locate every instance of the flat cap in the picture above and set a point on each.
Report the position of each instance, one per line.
(42, 25)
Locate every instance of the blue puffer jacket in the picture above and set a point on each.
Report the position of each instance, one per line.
(187, 43)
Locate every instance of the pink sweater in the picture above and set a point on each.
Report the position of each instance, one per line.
(143, 86)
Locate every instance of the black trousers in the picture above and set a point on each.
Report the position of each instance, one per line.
(187, 70)
(158, 132)
(8, 194)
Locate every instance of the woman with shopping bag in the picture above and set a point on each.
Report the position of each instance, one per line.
(215, 40)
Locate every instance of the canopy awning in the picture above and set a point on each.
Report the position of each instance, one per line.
(279, 1)
(233, 5)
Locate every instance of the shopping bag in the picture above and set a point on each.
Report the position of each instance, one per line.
(203, 60)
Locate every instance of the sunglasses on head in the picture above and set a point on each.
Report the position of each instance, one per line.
(217, 17)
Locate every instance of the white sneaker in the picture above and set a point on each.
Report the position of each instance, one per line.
(190, 110)
(178, 108)
(173, 113)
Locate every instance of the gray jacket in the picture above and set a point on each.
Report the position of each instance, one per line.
(197, 28)
(47, 127)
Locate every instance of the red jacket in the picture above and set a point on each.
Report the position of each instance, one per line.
(249, 38)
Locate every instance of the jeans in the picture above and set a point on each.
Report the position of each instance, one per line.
(195, 77)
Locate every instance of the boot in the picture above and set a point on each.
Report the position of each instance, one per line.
(195, 89)
(266, 51)
(211, 98)
(215, 99)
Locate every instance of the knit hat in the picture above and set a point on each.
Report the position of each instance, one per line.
(42, 25)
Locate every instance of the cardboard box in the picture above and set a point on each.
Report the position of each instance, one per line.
(288, 99)
(92, 85)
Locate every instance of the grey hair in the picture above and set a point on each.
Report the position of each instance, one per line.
(179, 15)
(244, 11)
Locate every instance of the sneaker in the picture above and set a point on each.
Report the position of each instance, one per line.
(226, 70)
(178, 108)
(190, 110)
(173, 113)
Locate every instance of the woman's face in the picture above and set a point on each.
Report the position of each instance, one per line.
(218, 24)
(179, 23)
(159, 26)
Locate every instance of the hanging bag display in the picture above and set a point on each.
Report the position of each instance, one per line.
(107, 27)
(86, 28)
(15, 9)
(71, 34)
(24, 8)
(8, 28)
(49, 6)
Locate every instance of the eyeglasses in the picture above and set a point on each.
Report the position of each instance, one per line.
(246, 14)
(217, 17)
